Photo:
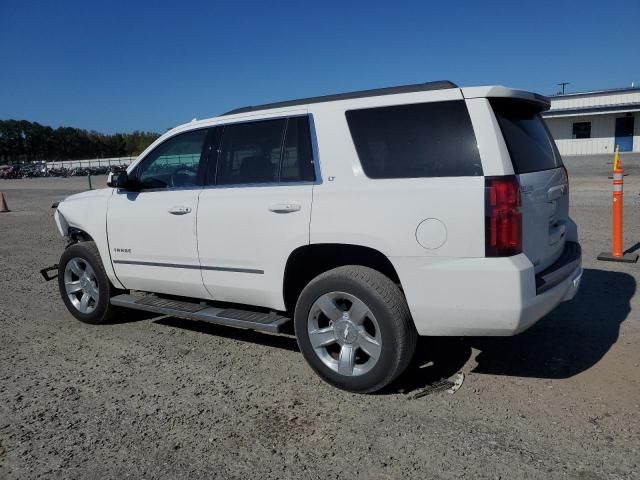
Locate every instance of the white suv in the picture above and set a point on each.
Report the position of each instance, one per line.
(366, 218)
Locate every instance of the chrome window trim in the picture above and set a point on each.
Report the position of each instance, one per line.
(151, 190)
(209, 187)
(256, 185)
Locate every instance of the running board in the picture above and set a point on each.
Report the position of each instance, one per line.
(231, 317)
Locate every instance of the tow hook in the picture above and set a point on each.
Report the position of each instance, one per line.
(45, 272)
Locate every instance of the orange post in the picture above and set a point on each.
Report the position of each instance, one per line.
(617, 251)
(618, 184)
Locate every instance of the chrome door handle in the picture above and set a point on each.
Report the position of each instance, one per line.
(556, 192)
(179, 210)
(284, 207)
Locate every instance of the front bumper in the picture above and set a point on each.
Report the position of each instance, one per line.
(485, 296)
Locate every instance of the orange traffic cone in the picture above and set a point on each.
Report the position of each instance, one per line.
(3, 204)
(617, 254)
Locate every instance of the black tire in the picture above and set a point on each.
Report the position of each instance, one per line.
(103, 311)
(385, 301)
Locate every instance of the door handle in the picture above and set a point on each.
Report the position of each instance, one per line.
(556, 192)
(284, 207)
(179, 210)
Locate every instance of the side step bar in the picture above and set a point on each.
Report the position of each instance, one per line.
(231, 317)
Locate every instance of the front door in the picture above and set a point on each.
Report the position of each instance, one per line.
(256, 210)
(152, 227)
(624, 134)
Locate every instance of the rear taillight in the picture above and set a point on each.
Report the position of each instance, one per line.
(566, 176)
(503, 218)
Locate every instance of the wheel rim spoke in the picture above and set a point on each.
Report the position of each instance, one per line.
(75, 267)
(322, 337)
(93, 291)
(369, 345)
(358, 311)
(84, 302)
(329, 307)
(346, 360)
(91, 275)
(73, 287)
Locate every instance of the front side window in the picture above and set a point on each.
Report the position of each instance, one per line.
(581, 130)
(174, 163)
(419, 140)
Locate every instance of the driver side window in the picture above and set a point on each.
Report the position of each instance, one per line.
(174, 163)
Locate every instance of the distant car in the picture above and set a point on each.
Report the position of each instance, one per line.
(366, 218)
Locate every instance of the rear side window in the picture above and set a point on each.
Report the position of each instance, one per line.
(250, 152)
(530, 144)
(267, 151)
(419, 140)
(297, 156)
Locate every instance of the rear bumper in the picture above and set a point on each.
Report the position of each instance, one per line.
(485, 296)
(568, 263)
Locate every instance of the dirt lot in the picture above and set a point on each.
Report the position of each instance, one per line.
(167, 398)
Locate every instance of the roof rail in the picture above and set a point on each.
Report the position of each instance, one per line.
(418, 87)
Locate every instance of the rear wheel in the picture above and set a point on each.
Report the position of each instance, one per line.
(84, 285)
(354, 328)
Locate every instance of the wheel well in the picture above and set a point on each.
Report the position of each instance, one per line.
(76, 235)
(306, 263)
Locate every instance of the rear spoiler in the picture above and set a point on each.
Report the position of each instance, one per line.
(504, 92)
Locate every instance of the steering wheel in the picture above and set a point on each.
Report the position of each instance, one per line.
(183, 176)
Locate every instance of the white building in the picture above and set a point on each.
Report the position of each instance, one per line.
(592, 123)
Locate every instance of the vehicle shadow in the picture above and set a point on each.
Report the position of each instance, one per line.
(569, 340)
(283, 341)
(131, 316)
(633, 248)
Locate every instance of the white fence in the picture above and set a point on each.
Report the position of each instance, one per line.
(94, 162)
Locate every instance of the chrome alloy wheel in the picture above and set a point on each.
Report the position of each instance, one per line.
(344, 333)
(81, 285)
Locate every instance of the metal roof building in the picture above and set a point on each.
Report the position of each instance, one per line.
(592, 123)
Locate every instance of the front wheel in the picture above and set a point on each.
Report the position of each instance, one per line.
(84, 286)
(354, 328)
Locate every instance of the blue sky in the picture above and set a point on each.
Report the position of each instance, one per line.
(124, 65)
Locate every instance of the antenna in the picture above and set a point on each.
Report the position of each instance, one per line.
(563, 84)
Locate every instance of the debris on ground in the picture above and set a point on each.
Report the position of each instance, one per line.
(444, 385)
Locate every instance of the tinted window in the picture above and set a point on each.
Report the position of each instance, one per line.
(174, 163)
(530, 144)
(581, 130)
(420, 140)
(250, 152)
(297, 157)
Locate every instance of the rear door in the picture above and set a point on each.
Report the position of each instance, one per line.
(255, 209)
(543, 180)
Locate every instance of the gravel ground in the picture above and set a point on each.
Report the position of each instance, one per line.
(168, 398)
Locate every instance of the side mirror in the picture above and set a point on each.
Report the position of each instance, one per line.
(118, 180)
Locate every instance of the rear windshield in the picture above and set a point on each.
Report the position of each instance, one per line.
(419, 140)
(530, 144)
